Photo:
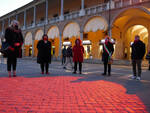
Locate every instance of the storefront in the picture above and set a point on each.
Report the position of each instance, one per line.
(87, 49)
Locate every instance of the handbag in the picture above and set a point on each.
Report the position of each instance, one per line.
(110, 60)
(4, 49)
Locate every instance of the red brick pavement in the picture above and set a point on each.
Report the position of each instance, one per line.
(65, 94)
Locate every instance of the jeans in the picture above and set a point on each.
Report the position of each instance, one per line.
(68, 60)
(136, 64)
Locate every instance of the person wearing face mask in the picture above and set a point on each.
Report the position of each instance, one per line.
(14, 39)
(44, 54)
(137, 54)
(108, 50)
(78, 51)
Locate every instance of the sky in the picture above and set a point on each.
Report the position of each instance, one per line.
(7, 6)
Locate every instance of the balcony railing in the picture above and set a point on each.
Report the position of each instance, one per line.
(88, 11)
(53, 20)
(71, 15)
(96, 9)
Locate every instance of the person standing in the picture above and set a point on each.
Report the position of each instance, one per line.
(68, 57)
(137, 54)
(148, 58)
(14, 39)
(78, 51)
(44, 53)
(108, 50)
(64, 51)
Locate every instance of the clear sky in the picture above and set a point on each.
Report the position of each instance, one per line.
(7, 6)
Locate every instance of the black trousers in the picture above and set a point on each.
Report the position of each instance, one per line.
(63, 60)
(44, 66)
(136, 64)
(11, 62)
(75, 66)
(107, 66)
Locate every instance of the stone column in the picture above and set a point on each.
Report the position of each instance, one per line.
(62, 11)
(34, 16)
(82, 11)
(60, 45)
(9, 21)
(81, 35)
(46, 12)
(121, 3)
(25, 19)
(17, 17)
(32, 47)
(130, 2)
(3, 27)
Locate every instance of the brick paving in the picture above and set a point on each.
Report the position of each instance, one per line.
(63, 92)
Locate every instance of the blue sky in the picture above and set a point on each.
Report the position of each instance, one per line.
(7, 6)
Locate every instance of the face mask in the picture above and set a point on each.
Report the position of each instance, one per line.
(16, 26)
(45, 39)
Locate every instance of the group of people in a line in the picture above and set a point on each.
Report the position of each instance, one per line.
(11, 49)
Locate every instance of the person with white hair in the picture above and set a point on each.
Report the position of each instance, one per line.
(14, 39)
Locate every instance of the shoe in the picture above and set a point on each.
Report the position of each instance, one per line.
(133, 77)
(14, 75)
(74, 72)
(9, 74)
(47, 73)
(103, 74)
(138, 78)
(64, 67)
(42, 73)
(80, 72)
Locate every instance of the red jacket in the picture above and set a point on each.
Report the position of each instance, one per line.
(78, 52)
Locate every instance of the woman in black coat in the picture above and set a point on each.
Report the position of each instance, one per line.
(14, 40)
(44, 53)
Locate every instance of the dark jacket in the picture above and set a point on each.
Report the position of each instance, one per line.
(13, 36)
(69, 52)
(44, 52)
(105, 55)
(138, 50)
(64, 52)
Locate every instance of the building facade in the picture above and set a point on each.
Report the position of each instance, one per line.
(65, 20)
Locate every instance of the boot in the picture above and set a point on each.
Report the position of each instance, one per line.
(14, 73)
(9, 74)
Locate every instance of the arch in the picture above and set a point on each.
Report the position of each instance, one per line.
(53, 32)
(128, 23)
(39, 34)
(95, 23)
(71, 29)
(28, 38)
(121, 12)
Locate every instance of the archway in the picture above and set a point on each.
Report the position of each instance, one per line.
(53, 35)
(131, 33)
(93, 33)
(131, 22)
(38, 36)
(28, 44)
(70, 33)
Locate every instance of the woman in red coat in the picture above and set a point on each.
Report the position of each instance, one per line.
(78, 51)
